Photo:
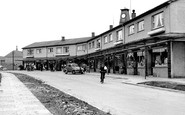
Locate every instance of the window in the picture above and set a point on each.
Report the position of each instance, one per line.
(81, 47)
(92, 44)
(110, 37)
(98, 43)
(30, 52)
(105, 39)
(130, 60)
(140, 26)
(59, 50)
(158, 20)
(141, 58)
(65, 49)
(50, 50)
(119, 35)
(131, 29)
(39, 51)
(160, 56)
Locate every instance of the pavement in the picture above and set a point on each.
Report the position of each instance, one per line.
(135, 79)
(16, 99)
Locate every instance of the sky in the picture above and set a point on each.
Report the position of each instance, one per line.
(23, 22)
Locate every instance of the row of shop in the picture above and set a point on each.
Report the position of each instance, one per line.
(147, 57)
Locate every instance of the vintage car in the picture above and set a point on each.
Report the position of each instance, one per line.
(74, 68)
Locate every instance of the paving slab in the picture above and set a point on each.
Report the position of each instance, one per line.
(16, 99)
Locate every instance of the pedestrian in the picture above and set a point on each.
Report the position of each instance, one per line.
(102, 72)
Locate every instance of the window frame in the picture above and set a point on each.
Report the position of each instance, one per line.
(49, 50)
(118, 34)
(98, 43)
(39, 51)
(30, 52)
(105, 39)
(138, 26)
(129, 29)
(110, 36)
(153, 20)
(65, 49)
(58, 50)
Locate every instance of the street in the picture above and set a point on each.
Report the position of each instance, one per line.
(113, 96)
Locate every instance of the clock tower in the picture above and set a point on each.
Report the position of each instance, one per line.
(124, 16)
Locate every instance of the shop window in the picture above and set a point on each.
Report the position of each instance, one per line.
(160, 57)
(141, 58)
(130, 60)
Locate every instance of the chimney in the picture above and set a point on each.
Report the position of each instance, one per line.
(124, 16)
(93, 34)
(16, 48)
(63, 38)
(133, 14)
(110, 27)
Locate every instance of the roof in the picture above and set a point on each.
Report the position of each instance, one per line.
(16, 54)
(58, 42)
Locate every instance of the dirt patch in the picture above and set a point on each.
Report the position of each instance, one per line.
(165, 84)
(56, 101)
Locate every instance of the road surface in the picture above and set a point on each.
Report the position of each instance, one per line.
(113, 96)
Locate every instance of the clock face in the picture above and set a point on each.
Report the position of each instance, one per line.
(123, 15)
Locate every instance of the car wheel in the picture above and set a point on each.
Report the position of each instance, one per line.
(73, 72)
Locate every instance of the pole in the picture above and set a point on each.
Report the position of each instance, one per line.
(13, 60)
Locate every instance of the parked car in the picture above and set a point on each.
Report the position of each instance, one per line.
(74, 68)
(2, 68)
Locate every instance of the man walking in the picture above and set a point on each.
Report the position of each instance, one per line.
(103, 70)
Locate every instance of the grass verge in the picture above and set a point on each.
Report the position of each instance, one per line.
(56, 101)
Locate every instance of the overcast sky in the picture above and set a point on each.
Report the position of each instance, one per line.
(23, 22)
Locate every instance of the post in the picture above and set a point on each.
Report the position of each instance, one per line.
(13, 60)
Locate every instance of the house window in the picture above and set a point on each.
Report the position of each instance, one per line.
(39, 51)
(131, 29)
(65, 49)
(59, 50)
(140, 26)
(81, 48)
(30, 52)
(98, 43)
(110, 37)
(160, 57)
(158, 20)
(92, 44)
(105, 39)
(119, 35)
(50, 50)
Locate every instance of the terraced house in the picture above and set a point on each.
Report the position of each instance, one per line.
(151, 44)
